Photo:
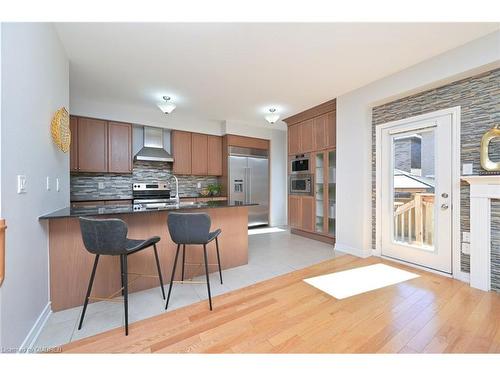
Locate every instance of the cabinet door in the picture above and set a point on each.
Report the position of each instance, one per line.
(119, 147)
(92, 145)
(199, 154)
(294, 139)
(294, 211)
(331, 187)
(214, 155)
(73, 149)
(331, 126)
(320, 170)
(181, 147)
(320, 132)
(307, 213)
(306, 136)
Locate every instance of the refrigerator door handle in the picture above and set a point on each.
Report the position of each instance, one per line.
(249, 185)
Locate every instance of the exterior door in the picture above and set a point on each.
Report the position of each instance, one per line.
(416, 189)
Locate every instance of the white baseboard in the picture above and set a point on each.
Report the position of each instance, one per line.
(34, 332)
(352, 250)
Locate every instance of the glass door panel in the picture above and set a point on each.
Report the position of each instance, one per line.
(319, 191)
(332, 175)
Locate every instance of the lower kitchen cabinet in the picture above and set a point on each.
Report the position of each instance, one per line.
(301, 212)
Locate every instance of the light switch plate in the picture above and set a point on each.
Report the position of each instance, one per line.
(48, 183)
(466, 237)
(58, 187)
(465, 248)
(466, 168)
(21, 184)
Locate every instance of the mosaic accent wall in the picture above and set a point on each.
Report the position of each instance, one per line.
(495, 244)
(479, 99)
(84, 186)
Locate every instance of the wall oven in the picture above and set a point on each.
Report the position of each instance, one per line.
(300, 164)
(301, 184)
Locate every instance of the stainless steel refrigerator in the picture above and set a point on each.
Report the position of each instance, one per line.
(249, 182)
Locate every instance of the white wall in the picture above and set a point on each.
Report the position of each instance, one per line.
(35, 83)
(354, 124)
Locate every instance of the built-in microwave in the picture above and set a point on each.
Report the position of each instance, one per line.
(301, 184)
(300, 164)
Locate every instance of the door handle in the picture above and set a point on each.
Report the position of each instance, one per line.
(3, 227)
(444, 206)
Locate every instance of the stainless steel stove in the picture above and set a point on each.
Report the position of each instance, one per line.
(152, 196)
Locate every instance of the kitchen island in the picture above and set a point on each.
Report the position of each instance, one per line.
(70, 263)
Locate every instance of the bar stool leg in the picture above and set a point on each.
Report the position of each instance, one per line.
(159, 271)
(206, 273)
(183, 260)
(125, 295)
(173, 274)
(218, 258)
(121, 274)
(89, 289)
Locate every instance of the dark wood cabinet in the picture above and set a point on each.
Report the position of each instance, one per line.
(92, 145)
(214, 155)
(73, 150)
(320, 132)
(119, 147)
(332, 129)
(199, 154)
(181, 150)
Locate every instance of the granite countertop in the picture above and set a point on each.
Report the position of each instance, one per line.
(102, 199)
(129, 209)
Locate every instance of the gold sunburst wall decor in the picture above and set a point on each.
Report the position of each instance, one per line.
(486, 163)
(61, 134)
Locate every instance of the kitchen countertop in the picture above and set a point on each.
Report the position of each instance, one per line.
(102, 199)
(129, 209)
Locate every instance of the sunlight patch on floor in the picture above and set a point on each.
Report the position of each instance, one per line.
(265, 230)
(360, 280)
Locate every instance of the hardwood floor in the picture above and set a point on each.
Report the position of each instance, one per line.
(431, 314)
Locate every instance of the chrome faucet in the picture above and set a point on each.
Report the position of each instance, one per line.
(177, 199)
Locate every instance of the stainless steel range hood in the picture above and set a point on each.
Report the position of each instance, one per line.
(153, 146)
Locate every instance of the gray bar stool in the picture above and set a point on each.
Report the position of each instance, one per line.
(109, 237)
(192, 229)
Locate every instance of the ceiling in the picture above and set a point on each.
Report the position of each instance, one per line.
(236, 71)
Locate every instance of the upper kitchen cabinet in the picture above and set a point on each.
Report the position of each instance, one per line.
(100, 146)
(214, 155)
(92, 145)
(199, 154)
(312, 130)
(294, 139)
(181, 150)
(73, 150)
(119, 147)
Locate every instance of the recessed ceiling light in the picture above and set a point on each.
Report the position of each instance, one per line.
(167, 106)
(272, 116)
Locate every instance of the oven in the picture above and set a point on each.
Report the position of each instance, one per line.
(150, 196)
(301, 184)
(300, 164)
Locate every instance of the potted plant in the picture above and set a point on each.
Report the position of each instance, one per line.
(214, 189)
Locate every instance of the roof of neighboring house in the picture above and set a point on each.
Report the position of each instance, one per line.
(405, 180)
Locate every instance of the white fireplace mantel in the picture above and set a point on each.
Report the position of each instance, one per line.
(482, 190)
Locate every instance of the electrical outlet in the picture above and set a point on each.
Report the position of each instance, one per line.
(467, 168)
(58, 187)
(465, 248)
(21, 184)
(466, 237)
(47, 185)
(198, 185)
(100, 185)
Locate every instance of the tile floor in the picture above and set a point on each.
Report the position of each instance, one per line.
(272, 252)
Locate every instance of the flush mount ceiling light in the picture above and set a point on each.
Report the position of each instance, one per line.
(272, 117)
(167, 106)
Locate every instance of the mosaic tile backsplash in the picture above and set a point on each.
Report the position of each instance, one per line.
(479, 100)
(85, 186)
